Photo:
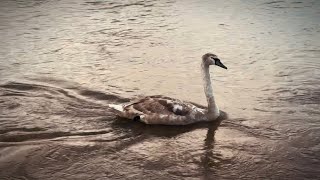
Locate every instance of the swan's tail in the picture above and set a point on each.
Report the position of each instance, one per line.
(116, 107)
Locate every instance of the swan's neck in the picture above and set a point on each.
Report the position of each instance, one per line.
(213, 110)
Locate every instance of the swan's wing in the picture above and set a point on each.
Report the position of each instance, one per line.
(163, 110)
(161, 105)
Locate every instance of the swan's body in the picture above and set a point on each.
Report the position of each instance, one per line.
(169, 111)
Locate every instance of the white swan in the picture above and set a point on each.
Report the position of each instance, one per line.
(168, 111)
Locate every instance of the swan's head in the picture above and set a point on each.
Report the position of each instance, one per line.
(212, 59)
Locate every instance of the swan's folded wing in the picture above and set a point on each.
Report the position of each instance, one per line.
(163, 110)
(159, 105)
(165, 119)
(178, 117)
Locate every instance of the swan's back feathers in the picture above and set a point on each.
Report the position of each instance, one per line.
(161, 105)
(162, 110)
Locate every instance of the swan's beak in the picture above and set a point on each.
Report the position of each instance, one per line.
(219, 63)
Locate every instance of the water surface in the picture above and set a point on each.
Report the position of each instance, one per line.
(63, 61)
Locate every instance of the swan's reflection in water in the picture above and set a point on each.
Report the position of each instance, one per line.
(207, 159)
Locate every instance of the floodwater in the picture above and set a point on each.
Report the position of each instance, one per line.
(63, 61)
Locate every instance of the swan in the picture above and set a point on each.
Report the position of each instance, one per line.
(163, 110)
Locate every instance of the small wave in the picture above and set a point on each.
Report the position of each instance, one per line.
(20, 86)
(274, 2)
(285, 4)
(102, 96)
(19, 136)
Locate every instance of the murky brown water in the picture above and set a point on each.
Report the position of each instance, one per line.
(63, 61)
